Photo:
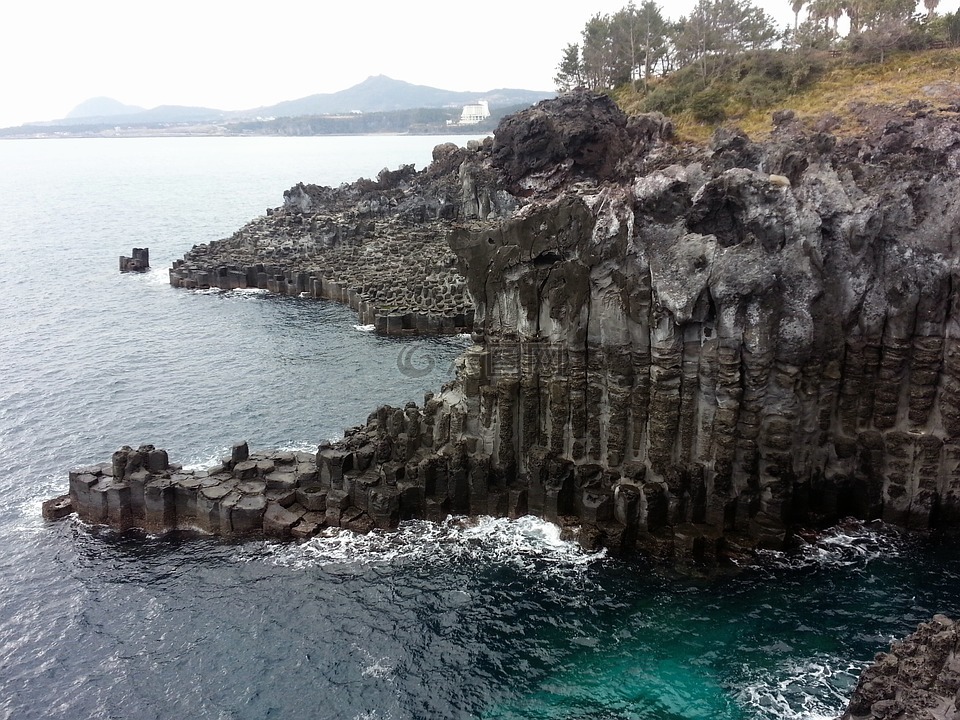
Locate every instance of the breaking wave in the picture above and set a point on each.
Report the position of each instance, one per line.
(814, 689)
(853, 545)
(528, 544)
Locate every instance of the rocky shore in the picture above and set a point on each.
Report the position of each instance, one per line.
(377, 246)
(686, 351)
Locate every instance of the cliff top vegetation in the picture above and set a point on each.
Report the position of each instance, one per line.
(727, 63)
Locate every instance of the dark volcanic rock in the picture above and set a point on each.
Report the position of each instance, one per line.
(581, 132)
(919, 679)
(139, 262)
(375, 245)
(686, 350)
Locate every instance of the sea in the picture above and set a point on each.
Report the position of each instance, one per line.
(467, 618)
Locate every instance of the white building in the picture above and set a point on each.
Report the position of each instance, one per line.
(472, 114)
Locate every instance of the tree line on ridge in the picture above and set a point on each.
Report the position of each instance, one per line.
(639, 43)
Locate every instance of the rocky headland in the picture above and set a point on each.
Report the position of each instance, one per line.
(682, 351)
(378, 246)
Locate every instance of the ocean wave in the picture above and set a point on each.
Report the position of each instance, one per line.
(245, 292)
(813, 689)
(206, 291)
(853, 545)
(365, 328)
(527, 543)
(157, 276)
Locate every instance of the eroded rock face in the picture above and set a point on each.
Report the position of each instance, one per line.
(918, 678)
(724, 345)
(575, 135)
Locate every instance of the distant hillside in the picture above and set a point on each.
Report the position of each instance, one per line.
(378, 94)
(383, 94)
(101, 107)
(160, 115)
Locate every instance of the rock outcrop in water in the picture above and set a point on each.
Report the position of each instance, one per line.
(681, 350)
(139, 262)
(919, 679)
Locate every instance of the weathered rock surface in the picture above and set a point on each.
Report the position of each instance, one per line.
(275, 494)
(683, 350)
(919, 679)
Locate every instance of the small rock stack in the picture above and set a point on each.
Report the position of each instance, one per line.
(140, 262)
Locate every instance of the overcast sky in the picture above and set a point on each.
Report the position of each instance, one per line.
(233, 55)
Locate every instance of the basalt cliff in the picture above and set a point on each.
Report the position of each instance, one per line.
(682, 351)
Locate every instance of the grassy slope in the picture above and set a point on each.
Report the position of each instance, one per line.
(931, 77)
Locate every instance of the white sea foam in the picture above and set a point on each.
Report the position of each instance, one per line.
(527, 543)
(205, 463)
(304, 446)
(813, 689)
(365, 328)
(157, 276)
(376, 667)
(372, 715)
(853, 545)
(206, 291)
(249, 291)
(208, 460)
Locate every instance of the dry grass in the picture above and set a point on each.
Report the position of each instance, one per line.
(901, 78)
(931, 77)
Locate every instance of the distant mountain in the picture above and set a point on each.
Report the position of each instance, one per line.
(162, 114)
(383, 94)
(101, 107)
(378, 94)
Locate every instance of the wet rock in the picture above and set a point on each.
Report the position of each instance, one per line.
(918, 678)
(139, 262)
(57, 508)
(278, 520)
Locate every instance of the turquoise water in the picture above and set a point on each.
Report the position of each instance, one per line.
(489, 619)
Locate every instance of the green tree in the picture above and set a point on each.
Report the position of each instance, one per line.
(723, 27)
(877, 13)
(639, 41)
(600, 67)
(797, 6)
(570, 70)
(828, 10)
(812, 35)
(946, 27)
(655, 38)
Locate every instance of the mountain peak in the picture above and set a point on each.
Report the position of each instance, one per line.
(102, 107)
